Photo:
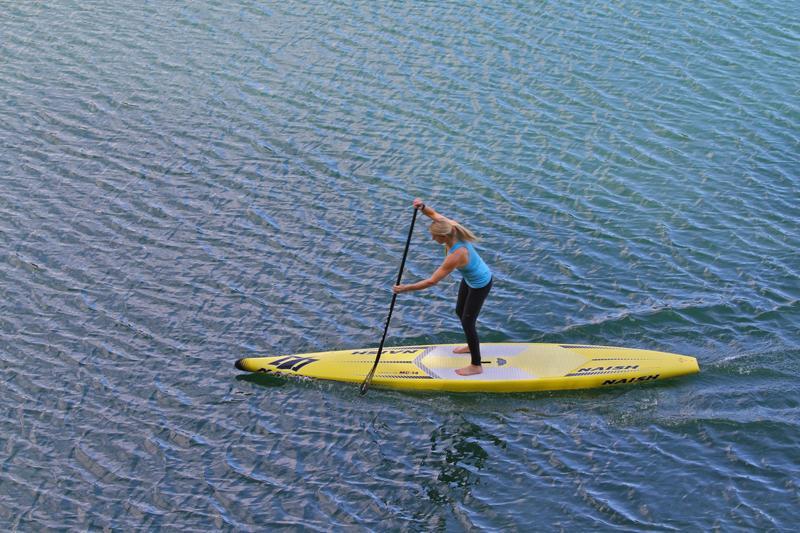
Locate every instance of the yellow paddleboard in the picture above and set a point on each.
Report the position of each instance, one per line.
(507, 367)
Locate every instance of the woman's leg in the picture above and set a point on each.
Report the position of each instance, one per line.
(473, 302)
(463, 290)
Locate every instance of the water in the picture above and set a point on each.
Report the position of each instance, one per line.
(186, 185)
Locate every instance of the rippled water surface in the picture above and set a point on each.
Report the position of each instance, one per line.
(185, 185)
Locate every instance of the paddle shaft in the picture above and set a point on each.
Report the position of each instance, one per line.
(367, 380)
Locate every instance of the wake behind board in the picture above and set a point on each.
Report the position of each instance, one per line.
(507, 367)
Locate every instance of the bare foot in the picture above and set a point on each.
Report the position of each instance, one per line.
(461, 349)
(470, 370)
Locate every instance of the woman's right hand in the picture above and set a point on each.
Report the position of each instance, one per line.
(419, 204)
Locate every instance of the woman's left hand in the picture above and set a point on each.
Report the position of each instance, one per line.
(397, 289)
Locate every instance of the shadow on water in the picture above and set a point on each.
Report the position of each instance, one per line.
(458, 453)
(264, 380)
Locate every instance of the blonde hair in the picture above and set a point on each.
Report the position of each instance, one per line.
(445, 228)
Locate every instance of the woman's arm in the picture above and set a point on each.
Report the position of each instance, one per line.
(450, 263)
(428, 211)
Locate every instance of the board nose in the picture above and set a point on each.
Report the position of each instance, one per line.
(239, 364)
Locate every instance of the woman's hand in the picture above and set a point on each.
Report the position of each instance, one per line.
(397, 289)
(427, 210)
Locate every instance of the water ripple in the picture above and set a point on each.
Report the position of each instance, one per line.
(191, 184)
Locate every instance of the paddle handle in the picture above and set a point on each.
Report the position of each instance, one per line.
(367, 380)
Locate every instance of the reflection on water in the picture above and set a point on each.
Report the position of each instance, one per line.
(264, 380)
(458, 452)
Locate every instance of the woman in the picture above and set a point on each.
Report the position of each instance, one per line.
(475, 284)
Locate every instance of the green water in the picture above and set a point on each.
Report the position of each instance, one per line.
(185, 185)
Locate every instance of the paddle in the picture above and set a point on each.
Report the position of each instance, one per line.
(367, 380)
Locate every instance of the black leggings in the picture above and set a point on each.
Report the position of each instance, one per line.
(469, 305)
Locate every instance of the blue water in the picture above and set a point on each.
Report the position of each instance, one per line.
(185, 185)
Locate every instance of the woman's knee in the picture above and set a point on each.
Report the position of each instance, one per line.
(468, 319)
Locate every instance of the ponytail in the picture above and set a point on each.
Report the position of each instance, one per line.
(463, 234)
(446, 227)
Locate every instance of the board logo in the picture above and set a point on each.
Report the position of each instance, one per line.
(608, 368)
(391, 352)
(599, 370)
(630, 380)
(291, 362)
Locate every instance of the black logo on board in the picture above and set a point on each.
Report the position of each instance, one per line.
(292, 362)
(630, 380)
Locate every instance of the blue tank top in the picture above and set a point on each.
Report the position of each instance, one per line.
(476, 273)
